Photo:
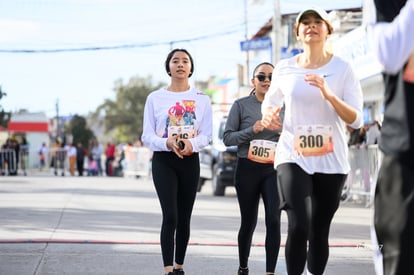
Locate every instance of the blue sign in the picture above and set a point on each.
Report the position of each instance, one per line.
(256, 44)
(289, 52)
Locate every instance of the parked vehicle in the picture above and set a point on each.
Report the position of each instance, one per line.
(218, 161)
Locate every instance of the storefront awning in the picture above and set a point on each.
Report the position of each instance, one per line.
(20, 126)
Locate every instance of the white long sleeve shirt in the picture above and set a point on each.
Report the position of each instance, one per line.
(187, 114)
(304, 106)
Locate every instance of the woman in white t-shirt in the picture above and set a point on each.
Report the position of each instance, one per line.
(321, 95)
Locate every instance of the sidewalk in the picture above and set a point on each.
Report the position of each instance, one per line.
(101, 225)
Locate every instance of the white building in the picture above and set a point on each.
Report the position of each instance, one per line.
(35, 128)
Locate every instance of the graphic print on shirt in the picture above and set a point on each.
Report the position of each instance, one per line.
(181, 120)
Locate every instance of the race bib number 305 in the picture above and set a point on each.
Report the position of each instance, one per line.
(262, 151)
(313, 140)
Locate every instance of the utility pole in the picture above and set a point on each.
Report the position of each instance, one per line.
(57, 119)
(277, 25)
(246, 37)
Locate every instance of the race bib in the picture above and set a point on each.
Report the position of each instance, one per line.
(185, 132)
(262, 151)
(313, 140)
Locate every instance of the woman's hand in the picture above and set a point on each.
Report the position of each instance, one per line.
(172, 144)
(187, 149)
(319, 82)
(271, 119)
(258, 127)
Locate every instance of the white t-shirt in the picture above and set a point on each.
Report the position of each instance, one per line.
(305, 107)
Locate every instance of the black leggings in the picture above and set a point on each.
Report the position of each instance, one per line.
(176, 183)
(310, 202)
(255, 180)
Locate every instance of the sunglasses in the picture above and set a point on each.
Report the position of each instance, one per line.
(262, 77)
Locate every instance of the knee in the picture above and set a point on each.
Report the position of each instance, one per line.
(299, 231)
(169, 221)
(248, 225)
(273, 224)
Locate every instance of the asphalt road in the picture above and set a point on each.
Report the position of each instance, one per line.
(110, 225)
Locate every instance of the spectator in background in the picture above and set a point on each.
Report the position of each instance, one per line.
(118, 162)
(3, 158)
(71, 149)
(24, 153)
(58, 154)
(92, 166)
(80, 158)
(43, 151)
(9, 157)
(373, 133)
(356, 136)
(96, 152)
(71, 153)
(110, 157)
(14, 163)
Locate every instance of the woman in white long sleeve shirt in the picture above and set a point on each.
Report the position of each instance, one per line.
(177, 125)
(321, 95)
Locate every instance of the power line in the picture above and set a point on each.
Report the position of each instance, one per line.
(116, 47)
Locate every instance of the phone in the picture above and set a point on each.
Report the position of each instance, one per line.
(181, 144)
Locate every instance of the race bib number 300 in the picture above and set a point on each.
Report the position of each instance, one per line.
(262, 151)
(313, 140)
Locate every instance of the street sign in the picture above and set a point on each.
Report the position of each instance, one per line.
(256, 44)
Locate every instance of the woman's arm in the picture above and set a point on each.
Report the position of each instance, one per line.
(393, 42)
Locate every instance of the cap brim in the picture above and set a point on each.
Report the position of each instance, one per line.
(318, 11)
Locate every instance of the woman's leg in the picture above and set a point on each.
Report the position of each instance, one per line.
(165, 181)
(326, 195)
(188, 175)
(271, 203)
(248, 196)
(295, 187)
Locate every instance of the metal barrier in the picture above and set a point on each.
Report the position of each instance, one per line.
(365, 162)
(8, 162)
(24, 159)
(137, 161)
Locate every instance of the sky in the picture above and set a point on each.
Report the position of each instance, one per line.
(64, 56)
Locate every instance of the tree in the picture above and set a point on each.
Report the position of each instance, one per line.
(123, 116)
(4, 116)
(79, 130)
